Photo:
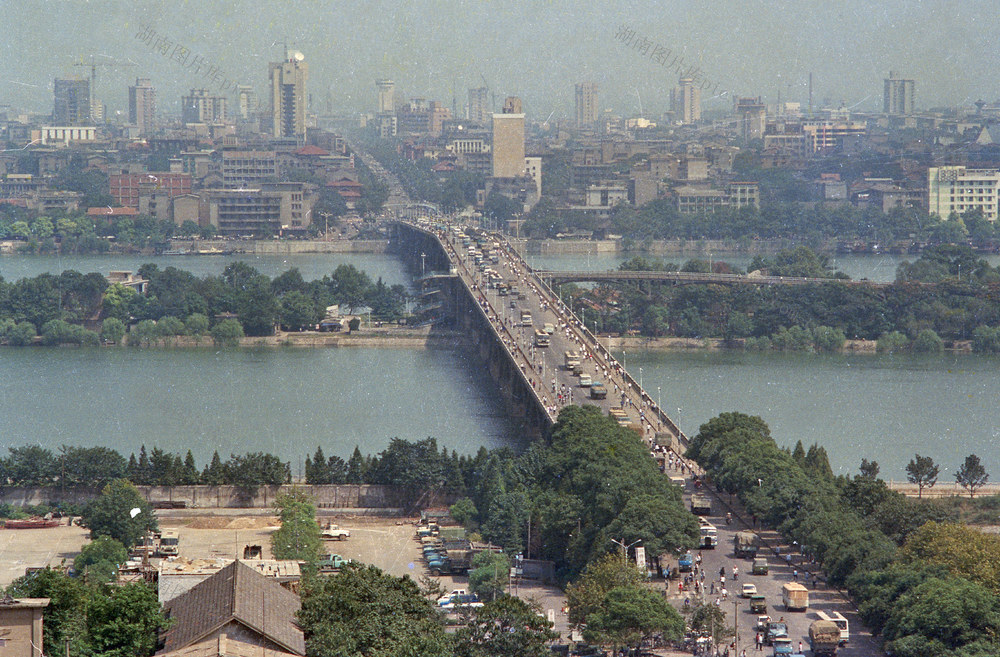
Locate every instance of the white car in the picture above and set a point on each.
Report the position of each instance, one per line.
(749, 590)
(335, 533)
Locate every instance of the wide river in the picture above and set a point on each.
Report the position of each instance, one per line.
(288, 401)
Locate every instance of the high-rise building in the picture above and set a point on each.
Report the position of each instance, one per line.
(386, 96)
(956, 189)
(72, 102)
(202, 107)
(685, 101)
(246, 100)
(898, 95)
(752, 115)
(586, 104)
(385, 118)
(142, 105)
(479, 106)
(288, 95)
(508, 141)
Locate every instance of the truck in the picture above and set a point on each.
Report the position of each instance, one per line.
(824, 638)
(841, 622)
(746, 544)
(598, 391)
(759, 566)
(571, 359)
(701, 505)
(331, 563)
(526, 318)
(758, 604)
(782, 647)
(455, 556)
(685, 563)
(585, 381)
(794, 596)
(169, 541)
(709, 537)
(335, 533)
(541, 338)
(775, 630)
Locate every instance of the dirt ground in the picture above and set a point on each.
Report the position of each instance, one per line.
(27, 548)
(388, 543)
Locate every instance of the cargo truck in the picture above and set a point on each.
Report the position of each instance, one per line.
(598, 391)
(838, 618)
(824, 638)
(526, 318)
(795, 596)
(746, 544)
(571, 360)
(541, 338)
(701, 505)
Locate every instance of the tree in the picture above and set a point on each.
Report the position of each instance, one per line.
(298, 311)
(256, 469)
(98, 560)
(489, 575)
(21, 335)
(586, 595)
(90, 466)
(31, 465)
(505, 627)
(628, 615)
(112, 330)
(710, 619)
(971, 475)
(923, 472)
(113, 514)
(363, 611)
(927, 342)
(869, 469)
(64, 617)
(227, 333)
(299, 535)
(125, 621)
(464, 512)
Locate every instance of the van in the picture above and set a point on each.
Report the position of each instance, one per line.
(838, 619)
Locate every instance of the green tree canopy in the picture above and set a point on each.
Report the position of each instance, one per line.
(363, 611)
(112, 514)
(505, 627)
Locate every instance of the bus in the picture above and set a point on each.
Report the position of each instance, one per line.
(541, 338)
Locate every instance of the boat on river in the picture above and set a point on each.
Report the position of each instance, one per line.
(31, 523)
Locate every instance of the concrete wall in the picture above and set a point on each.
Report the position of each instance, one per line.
(347, 496)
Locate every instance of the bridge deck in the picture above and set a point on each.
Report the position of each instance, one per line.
(542, 368)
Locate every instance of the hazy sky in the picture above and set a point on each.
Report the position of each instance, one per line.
(536, 50)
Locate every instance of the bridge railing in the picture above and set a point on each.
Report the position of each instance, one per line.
(511, 347)
(602, 354)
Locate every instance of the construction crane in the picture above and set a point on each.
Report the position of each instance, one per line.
(93, 64)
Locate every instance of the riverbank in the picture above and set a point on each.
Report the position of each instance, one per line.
(389, 337)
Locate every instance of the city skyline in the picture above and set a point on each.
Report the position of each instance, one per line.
(531, 50)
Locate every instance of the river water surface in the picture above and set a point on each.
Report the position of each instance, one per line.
(287, 401)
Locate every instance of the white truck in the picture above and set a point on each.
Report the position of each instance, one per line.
(335, 533)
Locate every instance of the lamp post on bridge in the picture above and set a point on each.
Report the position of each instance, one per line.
(657, 399)
(640, 377)
(422, 268)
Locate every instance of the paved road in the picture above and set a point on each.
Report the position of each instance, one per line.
(821, 596)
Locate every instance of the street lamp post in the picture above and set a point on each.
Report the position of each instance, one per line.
(624, 547)
(422, 267)
(736, 623)
(640, 377)
(657, 399)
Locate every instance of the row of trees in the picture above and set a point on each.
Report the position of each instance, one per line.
(923, 472)
(923, 598)
(179, 303)
(34, 465)
(928, 304)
